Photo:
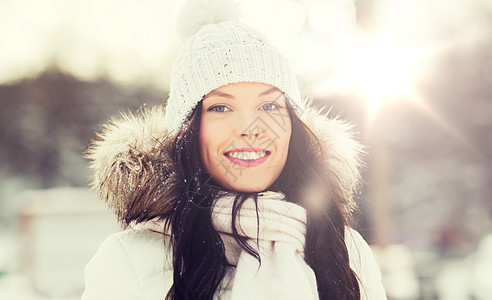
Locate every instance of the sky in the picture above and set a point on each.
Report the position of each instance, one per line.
(133, 41)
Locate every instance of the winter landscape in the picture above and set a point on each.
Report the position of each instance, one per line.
(415, 77)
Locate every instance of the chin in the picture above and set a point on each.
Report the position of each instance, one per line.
(247, 186)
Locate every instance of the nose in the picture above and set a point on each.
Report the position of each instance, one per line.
(257, 132)
(250, 126)
(253, 129)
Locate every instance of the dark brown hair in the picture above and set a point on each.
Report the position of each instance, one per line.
(199, 261)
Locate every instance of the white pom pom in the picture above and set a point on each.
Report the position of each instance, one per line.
(197, 13)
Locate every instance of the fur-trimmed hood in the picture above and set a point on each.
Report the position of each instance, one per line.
(134, 171)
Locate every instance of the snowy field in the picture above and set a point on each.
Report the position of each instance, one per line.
(56, 233)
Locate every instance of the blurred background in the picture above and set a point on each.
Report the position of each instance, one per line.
(414, 76)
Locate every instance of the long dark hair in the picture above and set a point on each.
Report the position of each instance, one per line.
(199, 261)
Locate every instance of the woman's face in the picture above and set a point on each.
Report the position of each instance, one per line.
(244, 135)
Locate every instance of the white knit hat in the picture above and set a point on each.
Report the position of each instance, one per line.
(223, 53)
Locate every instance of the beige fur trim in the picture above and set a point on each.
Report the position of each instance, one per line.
(134, 169)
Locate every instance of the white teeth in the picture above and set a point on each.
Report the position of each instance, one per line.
(246, 155)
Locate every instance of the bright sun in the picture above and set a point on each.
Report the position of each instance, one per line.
(381, 71)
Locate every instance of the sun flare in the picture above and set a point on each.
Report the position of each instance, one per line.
(382, 71)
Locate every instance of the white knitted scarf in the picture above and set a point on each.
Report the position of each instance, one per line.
(276, 229)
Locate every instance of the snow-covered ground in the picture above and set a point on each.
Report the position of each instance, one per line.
(412, 275)
(42, 256)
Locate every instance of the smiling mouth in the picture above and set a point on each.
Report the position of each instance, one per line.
(247, 157)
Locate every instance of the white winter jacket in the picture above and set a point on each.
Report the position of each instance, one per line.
(137, 264)
(135, 173)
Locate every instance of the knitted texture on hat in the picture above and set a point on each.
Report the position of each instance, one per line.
(223, 53)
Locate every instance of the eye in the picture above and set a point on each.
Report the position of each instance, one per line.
(270, 106)
(218, 108)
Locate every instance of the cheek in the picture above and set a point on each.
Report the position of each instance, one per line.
(210, 140)
(284, 138)
(285, 143)
(205, 139)
(288, 133)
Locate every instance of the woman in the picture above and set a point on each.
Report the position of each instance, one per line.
(237, 190)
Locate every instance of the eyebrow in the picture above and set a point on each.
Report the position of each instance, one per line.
(225, 95)
(269, 91)
(218, 94)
